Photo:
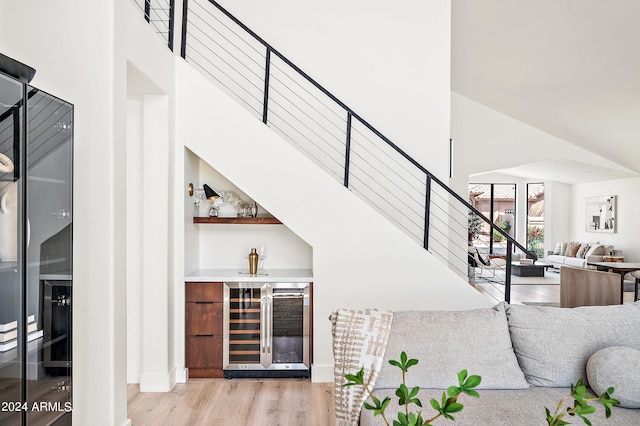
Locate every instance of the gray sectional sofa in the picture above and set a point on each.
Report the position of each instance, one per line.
(528, 356)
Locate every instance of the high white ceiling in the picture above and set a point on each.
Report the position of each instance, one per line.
(570, 68)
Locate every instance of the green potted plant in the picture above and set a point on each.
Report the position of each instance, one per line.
(449, 405)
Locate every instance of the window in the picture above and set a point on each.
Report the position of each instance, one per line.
(535, 218)
(497, 202)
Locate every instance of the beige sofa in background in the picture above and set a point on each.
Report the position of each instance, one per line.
(594, 252)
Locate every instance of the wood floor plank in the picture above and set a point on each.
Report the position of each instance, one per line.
(268, 402)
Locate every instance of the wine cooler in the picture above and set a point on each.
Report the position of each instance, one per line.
(266, 330)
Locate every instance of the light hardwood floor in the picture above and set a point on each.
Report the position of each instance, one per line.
(272, 402)
(221, 402)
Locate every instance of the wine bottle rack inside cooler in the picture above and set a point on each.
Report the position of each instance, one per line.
(266, 329)
(244, 325)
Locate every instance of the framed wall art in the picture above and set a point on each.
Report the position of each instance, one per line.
(600, 214)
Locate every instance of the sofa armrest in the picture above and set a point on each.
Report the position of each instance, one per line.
(594, 258)
(549, 252)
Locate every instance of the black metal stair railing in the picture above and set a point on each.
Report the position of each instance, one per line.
(160, 14)
(332, 134)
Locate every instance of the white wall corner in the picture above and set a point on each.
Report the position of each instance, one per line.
(322, 373)
(156, 382)
(180, 375)
(133, 373)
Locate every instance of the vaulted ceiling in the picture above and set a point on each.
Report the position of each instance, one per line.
(570, 68)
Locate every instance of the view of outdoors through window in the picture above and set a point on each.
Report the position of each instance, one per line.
(535, 218)
(498, 203)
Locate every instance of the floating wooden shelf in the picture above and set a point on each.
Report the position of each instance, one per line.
(238, 220)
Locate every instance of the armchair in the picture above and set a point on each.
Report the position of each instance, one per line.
(483, 264)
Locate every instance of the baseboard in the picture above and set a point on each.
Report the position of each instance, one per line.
(322, 373)
(133, 373)
(156, 382)
(180, 375)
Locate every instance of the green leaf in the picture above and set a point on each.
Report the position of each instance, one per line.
(454, 407)
(414, 392)
(355, 379)
(472, 382)
(471, 392)
(461, 376)
(435, 405)
(453, 391)
(412, 362)
(403, 394)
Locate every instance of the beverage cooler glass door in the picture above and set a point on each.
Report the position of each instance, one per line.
(289, 328)
(266, 330)
(243, 331)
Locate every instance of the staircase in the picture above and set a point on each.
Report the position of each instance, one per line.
(331, 134)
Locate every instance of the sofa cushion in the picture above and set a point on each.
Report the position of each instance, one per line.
(521, 407)
(595, 250)
(553, 345)
(446, 342)
(582, 251)
(572, 249)
(555, 258)
(617, 367)
(575, 261)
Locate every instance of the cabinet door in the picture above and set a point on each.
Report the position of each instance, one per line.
(204, 319)
(204, 292)
(204, 352)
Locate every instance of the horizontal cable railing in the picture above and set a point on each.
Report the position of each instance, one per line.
(351, 150)
(160, 14)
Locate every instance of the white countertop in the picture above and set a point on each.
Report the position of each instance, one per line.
(242, 275)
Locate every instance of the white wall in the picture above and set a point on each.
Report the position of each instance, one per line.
(227, 246)
(389, 62)
(359, 258)
(558, 213)
(628, 214)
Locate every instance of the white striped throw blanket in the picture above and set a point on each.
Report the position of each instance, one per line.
(359, 340)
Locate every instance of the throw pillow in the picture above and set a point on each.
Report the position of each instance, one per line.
(446, 342)
(572, 249)
(616, 367)
(595, 250)
(553, 345)
(557, 249)
(563, 250)
(582, 250)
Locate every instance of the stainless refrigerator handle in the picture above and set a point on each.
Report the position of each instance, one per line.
(263, 315)
(268, 324)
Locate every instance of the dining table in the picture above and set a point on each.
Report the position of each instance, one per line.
(621, 268)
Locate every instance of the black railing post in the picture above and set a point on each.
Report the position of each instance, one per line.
(147, 10)
(427, 210)
(507, 273)
(347, 154)
(183, 39)
(267, 72)
(172, 5)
